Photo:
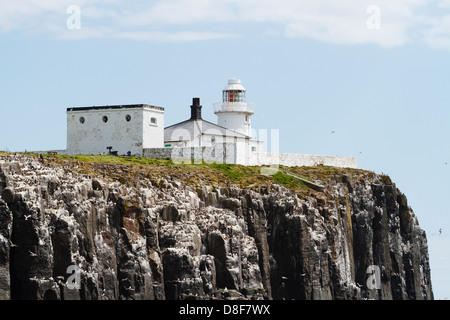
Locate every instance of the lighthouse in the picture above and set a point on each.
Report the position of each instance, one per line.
(234, 112)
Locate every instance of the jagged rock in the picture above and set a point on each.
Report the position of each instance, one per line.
(8, 195)
(5, 247)
(161, 239)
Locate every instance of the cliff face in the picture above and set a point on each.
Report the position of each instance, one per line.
(68, 235)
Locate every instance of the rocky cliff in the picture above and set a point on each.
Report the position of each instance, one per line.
(74, 229)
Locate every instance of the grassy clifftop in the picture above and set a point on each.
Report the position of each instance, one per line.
(133, 170)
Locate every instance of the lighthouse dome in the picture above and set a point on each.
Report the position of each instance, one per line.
(234, 84)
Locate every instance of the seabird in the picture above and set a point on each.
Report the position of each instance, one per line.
(32, 254)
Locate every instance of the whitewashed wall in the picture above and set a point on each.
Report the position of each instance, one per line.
(292, 160)
(153, 134)
(220, 153)
(94, 135)
(235, 154)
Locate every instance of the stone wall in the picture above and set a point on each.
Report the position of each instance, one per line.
(226, 153)
(291, 160)
(220, 153)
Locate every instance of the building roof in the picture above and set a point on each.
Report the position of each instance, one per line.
(234, 84)
(129, 106)
(195, 127)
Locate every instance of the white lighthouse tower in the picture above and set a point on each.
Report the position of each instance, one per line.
(234, 112)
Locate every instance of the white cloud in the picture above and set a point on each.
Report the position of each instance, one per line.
(152, 36)
(173, 36)
(443, 3)
(180, 12)
(331, 21)
(340, 22)
(438, 35)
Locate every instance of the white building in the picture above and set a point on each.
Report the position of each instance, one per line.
(232, 134)
(139, 130)
(114, 129)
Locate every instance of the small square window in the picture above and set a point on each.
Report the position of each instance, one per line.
(153, 120)
(253, 149)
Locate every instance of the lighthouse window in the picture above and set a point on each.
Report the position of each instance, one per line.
(241, 96)
(82, 120)
(234, 96)
(105, 119)
(153, 121)
(128, 118)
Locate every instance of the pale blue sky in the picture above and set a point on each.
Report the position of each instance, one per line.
(311, 68)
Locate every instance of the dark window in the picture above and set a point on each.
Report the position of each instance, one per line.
(82, 120)
(128, 118)
(105, 119)
(153, 121)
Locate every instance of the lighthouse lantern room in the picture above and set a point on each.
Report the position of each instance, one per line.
(234, 112)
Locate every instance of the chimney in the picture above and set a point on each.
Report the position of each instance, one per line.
(196, 109)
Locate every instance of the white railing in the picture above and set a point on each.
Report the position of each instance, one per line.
(234, 107)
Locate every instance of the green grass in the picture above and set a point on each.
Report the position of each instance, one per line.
(134, 170)
(115, 159)
(386, 179)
